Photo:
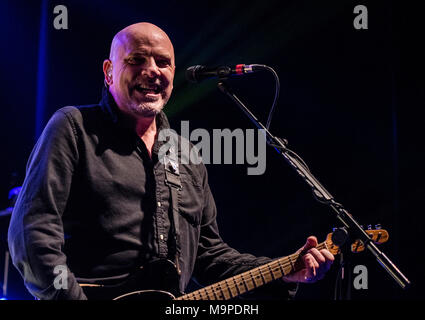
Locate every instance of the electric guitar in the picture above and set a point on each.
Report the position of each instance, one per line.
(159, 280)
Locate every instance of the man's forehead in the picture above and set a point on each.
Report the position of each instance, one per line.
(143, 38)
(144, 44)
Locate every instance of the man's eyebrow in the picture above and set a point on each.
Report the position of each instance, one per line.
(164, 56)
(138, 53)
(142, 52)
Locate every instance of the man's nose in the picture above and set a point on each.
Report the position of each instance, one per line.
(151, 69)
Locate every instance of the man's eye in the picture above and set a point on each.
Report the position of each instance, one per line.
(135, 60)
(163, 63)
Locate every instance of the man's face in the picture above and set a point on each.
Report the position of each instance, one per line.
(142, 72)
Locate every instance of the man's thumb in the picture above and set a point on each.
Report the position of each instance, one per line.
(311, 243)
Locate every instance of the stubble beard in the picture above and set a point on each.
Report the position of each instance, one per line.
(147, 108)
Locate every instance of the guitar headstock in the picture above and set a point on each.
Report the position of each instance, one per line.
(378, 236)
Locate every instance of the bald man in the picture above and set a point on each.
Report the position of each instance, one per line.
(97, 203)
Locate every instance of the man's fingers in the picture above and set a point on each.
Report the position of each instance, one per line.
(311, 265)
(327, 254)
(317, 255)
(317, 263)
(329, 258)
(311, 242)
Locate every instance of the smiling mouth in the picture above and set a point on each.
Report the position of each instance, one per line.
(151, 89)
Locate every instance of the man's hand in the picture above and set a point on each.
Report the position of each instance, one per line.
(316, 262)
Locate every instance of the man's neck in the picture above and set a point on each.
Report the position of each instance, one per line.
(146, 130)
(144, 127)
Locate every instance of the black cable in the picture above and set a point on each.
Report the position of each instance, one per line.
(276, 94)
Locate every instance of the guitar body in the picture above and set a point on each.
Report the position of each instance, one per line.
(146, 295)
(157, 280)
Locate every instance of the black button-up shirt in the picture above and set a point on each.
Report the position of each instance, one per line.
(95, 202)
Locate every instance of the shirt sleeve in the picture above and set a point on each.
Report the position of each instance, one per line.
(217, 261)
(36, 236)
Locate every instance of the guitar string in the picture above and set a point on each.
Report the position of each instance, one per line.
(276, 265)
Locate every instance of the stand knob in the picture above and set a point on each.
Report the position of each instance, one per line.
(339, 236)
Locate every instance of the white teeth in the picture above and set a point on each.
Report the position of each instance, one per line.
(155, 88)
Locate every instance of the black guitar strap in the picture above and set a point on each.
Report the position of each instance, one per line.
(172, 179)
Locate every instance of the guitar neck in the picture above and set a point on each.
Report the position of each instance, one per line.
(250, 280)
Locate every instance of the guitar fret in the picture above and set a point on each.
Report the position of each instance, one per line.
(232, 290)
(205, 291)
(279, 272)
(282, 268)
(248, 281)
(223, 292)
(261, 275)
(267, 276)
(213, 293)
(252, 279)
(236, 285)
(226, 292)
(198, 292)
(292, 266)
(219, 292)
(241, 284)
(260, 282)
(271, 271)
(205, 295)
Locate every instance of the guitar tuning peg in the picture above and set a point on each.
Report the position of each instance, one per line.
(378, 226)
(369, 227)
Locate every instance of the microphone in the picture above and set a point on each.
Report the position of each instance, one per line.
(198, 73)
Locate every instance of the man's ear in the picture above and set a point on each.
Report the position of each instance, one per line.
(107, 71)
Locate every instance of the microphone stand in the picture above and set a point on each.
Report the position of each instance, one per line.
(344, 276)
(353, 229)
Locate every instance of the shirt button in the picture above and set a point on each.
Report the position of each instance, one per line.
(161, 236)
(158, 203)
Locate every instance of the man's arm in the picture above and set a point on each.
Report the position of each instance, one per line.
(36, 236)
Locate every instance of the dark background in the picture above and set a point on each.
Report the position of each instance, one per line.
(350, 104)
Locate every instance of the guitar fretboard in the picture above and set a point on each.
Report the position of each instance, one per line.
(249, 280)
